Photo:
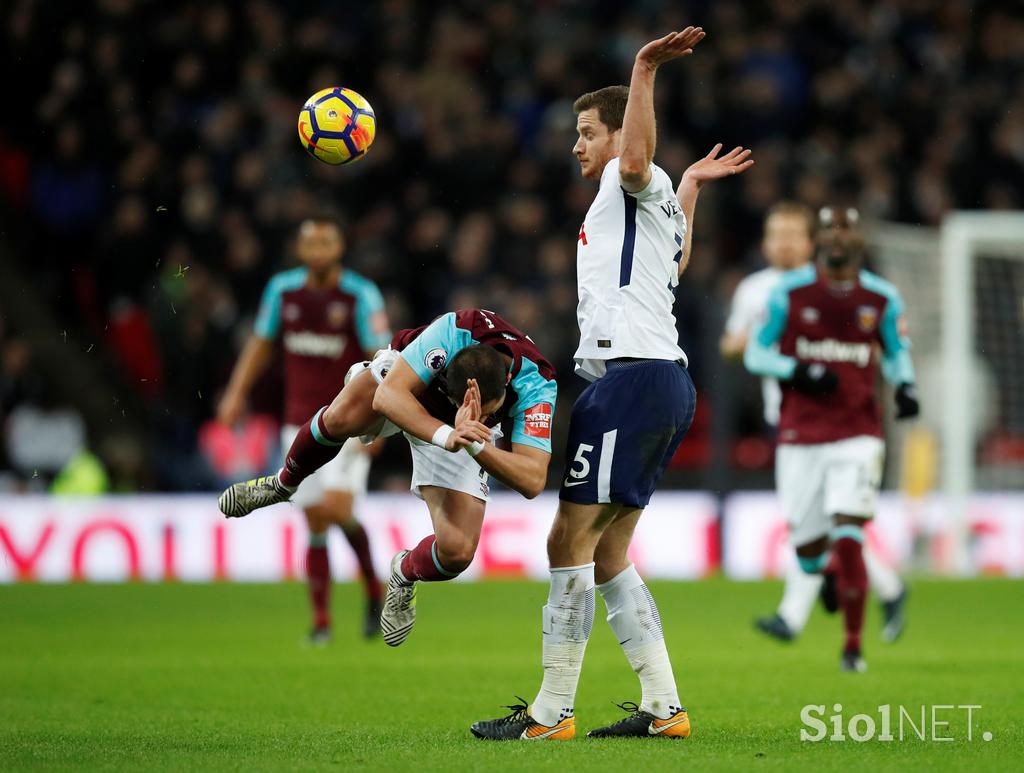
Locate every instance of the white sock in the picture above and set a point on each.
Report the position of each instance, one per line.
(634, 618)
(883, 579)
(798, 595)
(282, 484)
(567, 619)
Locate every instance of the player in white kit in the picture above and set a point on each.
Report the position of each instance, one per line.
(632, 248)
(788, 244)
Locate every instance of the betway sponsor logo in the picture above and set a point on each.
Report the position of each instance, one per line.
(314, 344)
(831, 350)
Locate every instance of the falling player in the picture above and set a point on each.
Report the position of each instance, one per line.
(820, 337)
(448, 386)
(632, 248)
(329, 318)
(788, 244)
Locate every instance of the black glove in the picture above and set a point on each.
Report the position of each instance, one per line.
(907, 406)
(814, 378)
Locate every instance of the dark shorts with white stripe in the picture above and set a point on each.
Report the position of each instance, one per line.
(624, 429)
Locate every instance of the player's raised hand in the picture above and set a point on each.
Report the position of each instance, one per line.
(470, 410)
(713, 167)
(672, 46)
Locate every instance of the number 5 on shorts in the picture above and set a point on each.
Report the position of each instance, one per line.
(584, 470)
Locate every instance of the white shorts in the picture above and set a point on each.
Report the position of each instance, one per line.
(817, 482)
(431, 465)
(348, 471)
(457, 471)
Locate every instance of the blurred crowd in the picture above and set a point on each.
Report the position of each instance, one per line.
(152, 176)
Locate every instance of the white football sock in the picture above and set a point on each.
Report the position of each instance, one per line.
(634, 618)
(798, 595)
(883, 579)
(567, 619)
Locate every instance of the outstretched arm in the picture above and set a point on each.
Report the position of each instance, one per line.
(708, 168)
(251, 363)
(638, 129)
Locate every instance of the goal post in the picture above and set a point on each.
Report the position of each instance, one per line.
(963, 284)
(965, 237)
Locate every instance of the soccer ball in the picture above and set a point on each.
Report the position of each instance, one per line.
(337, 125)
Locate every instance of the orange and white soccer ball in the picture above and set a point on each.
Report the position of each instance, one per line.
(337, 125)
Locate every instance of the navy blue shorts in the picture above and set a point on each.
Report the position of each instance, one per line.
(624, 429)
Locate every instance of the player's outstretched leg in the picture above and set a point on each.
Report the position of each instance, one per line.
(241, 499)
(312, 448)
(852, 588)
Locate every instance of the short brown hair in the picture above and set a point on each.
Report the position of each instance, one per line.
(485, 364)
(797, 209)
(610, 103)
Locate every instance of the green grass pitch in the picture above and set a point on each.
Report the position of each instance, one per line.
(216, 677)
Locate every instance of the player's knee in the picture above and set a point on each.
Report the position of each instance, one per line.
(848, 530)
(336, 422)
(557, 539)
(456, 552)
(813, 564)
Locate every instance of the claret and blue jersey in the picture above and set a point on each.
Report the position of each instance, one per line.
(841, 326)
(532, 391)
(323, 332)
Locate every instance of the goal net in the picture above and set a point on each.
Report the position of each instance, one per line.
(963, 285)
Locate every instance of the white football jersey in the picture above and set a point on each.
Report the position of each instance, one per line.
(748, 311)
(627, 267)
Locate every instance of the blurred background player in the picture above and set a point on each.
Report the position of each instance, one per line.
(788, 244)
(467, 368)
(633, 247)
(824, 325)
(329, 318)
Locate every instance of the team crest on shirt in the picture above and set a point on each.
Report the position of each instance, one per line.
(810, 315)
(867, 318)
(336, 314)
(435, 359)
(291, 312)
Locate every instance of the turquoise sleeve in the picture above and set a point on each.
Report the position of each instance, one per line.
(762, 356)
(268, 318)
(371, 320)
(428, 354)
(897, 367)
(534, 412)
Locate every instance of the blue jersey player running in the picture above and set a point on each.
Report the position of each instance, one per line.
(453, 387)
(632, 248)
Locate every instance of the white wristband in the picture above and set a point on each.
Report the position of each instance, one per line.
(475, 447)
(440, 438)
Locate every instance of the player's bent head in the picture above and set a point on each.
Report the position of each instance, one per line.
(320, 242)
(789, 230)
(487, 366)
(599, 116)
